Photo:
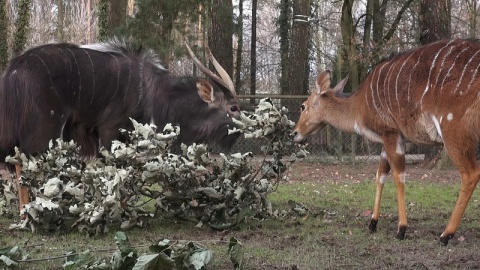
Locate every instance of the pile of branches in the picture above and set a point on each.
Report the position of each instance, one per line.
(140, 180)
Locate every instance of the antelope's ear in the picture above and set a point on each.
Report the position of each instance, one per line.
(323, 82)
(205, 91)
(339, 87)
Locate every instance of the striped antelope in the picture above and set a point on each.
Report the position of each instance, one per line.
(429, 95)
(87, 93)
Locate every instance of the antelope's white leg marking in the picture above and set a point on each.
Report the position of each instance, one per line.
(382, 178)
(402, 177)
(430, 72)
(79, 75)
(93, 76)
(451, 67)
(400, 149)
(48, 71)
(463, 72)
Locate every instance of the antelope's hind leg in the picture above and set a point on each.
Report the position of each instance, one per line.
(463, 156)
(382, 172)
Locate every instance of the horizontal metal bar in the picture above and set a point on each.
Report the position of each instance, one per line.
(259, 96)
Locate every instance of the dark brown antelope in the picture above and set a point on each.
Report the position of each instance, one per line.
(87, 93)
(429, 95)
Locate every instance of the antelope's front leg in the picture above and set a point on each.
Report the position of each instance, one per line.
(394, 147)
(382, 172)
(23, 196)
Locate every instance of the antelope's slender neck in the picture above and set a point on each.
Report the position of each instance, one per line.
(344, 112)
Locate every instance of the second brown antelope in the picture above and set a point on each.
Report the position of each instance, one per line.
(429, 95)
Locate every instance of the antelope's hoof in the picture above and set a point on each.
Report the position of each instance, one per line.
(373, 225)
(445, 238)
(401, 232)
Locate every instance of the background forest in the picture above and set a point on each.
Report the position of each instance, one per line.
(268, 46)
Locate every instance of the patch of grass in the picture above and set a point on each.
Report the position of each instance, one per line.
(333, 236)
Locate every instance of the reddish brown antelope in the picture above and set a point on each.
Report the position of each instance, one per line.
(429, 95)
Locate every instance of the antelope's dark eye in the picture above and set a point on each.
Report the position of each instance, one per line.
(234, 108)
(302, 108)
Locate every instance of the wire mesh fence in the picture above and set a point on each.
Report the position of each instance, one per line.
(330, 144)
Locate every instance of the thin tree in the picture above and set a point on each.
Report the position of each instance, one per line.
(3, 33)
(238, 60)
(221, 32)
(298, 51)
(21, 26)
(60, 20)
(253, 52)
(284, 30)
(435, 20)
(103, 20)
(117, 15)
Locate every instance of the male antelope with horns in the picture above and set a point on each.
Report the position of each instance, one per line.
(429, 95)
(87, 93)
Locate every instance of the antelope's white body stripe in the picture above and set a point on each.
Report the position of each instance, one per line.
(437, 125)
(396, 81)
(93, 76)
(48, 71)
(427, 87)
(463, 73)
(79, 75)
(452, 66)
(411, 72)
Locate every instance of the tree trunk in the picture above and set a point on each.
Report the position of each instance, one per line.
(435, 20)
(221, 32)
(60, 20)
(284, 29)
(21, 26)
(253, 52)
(238, 61)
(298, 53)
(103, 20)
(117, 15)
(4, 34)
(472, 7)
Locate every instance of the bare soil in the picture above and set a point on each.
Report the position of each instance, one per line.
(334, 242)
(338, 173)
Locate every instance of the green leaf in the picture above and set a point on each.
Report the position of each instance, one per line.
(154, 262)
(7, 261)
(198, 259)
(236, 252)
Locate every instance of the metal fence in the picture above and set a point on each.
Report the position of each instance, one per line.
(330, 144)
